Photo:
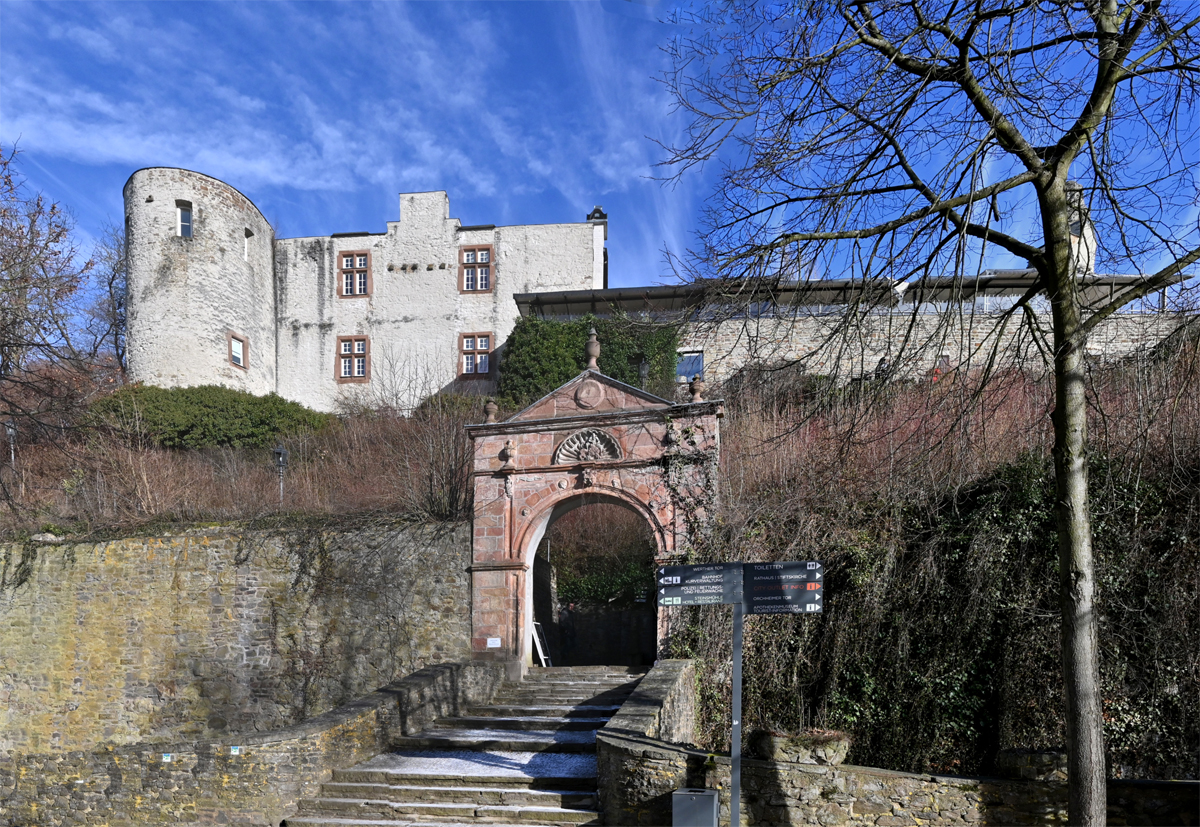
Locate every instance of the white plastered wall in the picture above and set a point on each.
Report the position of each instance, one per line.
(186, 296)
(416, 311)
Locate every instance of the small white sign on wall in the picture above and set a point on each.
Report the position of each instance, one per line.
(493, 643)
(235, 750)
(167, 757)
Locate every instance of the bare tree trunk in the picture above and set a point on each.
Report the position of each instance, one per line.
(1077, 583)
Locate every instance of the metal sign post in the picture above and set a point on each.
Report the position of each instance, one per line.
(735, 737)
(756, 588)
(281, 461)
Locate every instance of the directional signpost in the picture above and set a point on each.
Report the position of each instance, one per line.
(700, 585)
(784, 588)
(757, 588)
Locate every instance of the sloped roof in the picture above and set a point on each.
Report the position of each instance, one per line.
(591, 392)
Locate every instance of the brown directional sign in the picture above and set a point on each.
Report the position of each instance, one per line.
(701, 585)
(783, 588)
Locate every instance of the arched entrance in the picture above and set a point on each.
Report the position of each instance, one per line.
(599, 543)
(592, 440)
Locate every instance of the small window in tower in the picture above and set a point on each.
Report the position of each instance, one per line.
(239, 351)
(476, 351)
(689, 363)
(183, 210)
(246, 245)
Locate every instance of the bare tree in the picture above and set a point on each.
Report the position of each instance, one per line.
(42, 282)
(898, 141)
(107, 317)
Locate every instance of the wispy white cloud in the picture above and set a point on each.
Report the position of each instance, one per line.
(523, 113)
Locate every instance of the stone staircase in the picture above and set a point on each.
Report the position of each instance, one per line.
(526, 758)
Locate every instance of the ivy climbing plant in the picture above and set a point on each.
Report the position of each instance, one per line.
(542, 354)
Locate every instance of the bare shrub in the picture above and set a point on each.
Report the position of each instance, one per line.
(931, 505)
(414, 466)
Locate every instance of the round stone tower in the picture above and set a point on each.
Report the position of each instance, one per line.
(201, 299)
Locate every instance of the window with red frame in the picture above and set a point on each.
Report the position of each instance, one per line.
(353, 359)
(475, 355)
(354, 273)
(475, 269)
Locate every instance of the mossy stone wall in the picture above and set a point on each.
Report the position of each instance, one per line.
(208, 632)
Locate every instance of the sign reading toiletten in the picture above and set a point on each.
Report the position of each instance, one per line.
(783, 588)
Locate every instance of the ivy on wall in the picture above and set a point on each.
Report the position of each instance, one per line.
(542, 354)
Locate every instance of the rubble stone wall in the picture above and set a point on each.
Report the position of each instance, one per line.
(251, 779)
(158, 639)
(643, 758)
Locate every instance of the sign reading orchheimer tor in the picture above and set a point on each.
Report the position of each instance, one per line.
(783, 588)
(764, 588)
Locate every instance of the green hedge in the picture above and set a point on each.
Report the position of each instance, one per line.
(204, 416)
(542, 354)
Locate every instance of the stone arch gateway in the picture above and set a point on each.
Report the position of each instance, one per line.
(592, 440)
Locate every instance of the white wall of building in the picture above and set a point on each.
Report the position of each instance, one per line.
(187, 295)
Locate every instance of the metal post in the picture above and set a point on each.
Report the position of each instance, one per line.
(10, 428)
(281, 461)
(735, 740)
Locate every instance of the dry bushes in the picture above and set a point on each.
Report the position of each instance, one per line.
(931, 505)
(84, 482)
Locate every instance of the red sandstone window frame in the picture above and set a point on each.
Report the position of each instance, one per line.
(469, 271)
(362, 282)
(475, 352)
(230, 338)
(354, 353)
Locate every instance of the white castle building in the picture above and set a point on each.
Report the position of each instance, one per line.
(389, 318)
(380, 318)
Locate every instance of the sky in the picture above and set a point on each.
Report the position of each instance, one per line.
(323, 112)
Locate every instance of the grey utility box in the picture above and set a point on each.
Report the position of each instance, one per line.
(694, 808)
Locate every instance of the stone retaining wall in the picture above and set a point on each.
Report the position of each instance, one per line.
(192, 636)
(207, 783)
(642, 759)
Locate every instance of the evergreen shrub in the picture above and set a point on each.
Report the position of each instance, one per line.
(205, 416)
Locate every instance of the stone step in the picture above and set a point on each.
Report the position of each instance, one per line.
(360, 775)
(421, 821)
(575, 799)
(540, 675)
(520, 722)
(560, 686)
(558, 671)
(580, 710)
(499, 740)
(532, 695)
(364, 808)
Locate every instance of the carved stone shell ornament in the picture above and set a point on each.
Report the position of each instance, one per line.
(590, 445)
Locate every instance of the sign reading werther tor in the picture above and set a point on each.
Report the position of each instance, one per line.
(757, 588)
(700, 585)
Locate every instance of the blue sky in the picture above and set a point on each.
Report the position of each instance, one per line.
(321, 113)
